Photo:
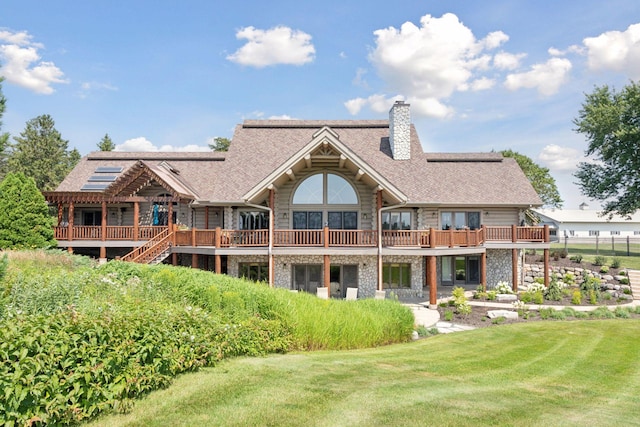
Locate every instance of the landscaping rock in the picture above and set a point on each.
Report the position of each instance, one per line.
(493, 314)
(506, 297)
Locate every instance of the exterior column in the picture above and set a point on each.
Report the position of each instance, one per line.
(432, 281)
(70, 226)
(217, 258)
(483, 271)
(194, 260)
(103, 252)
(272, 213)
(327, 274)
(379, 227)
(170, 212)
(60, 213)
(514, 270)
(206, 218)
(103, 222)
(136, 220)
(174, 258)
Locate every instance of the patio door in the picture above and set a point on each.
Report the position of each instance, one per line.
(307, 277)
(341, 278)
(460, 270)
(92, 218)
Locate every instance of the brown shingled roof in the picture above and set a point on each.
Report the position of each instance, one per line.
(260, 147)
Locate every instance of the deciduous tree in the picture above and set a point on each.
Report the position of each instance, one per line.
(41, 153)
(610, 121)
(220, 144)
(25, 221)
(540, 178)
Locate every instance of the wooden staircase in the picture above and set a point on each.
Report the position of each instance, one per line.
(152, 252)
(634, 282)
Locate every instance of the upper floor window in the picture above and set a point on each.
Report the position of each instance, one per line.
(615, 232)
(253, 220)
(396, 220)
(325, 188)
(594, 233)
(460, 220)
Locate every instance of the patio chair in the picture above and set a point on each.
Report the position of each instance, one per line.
(352, 294)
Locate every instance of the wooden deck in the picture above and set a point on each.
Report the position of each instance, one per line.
(223, 238)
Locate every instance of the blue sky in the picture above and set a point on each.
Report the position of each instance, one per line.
(162, 75)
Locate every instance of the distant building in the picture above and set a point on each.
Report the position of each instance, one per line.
(587, 223)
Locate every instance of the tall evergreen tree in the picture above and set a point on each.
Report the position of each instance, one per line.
(25, 221)
(41, 153)
(106, 144)
(4, 137)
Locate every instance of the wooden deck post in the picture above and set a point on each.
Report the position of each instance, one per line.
(70, 214)
(217, 258)
(103, 222)
(546, 256)
(432, 281)
(194, 260)
(60, 212)
(136, 220)
(327, 274)
(193, 236)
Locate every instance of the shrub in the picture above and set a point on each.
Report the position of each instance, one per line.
(554, 291)
(538, 297)
(546, 313)
(503, 288)
(491, 295)
(569, 278)
(622, 313)
(448, 315)
(615, 262)
(576, 258)
(600, 260)
(460, 301)
(593, 297)
(576, 297)
(604, 269)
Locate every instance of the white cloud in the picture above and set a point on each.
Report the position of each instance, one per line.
(428, 63)
(279, 45)
(141, 144)
(558, 158)
(87, 87)
(281, 117)
(507, 61)
(615, 50)
(546, 78)
(21, 64)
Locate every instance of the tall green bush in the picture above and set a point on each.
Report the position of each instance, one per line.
(25, 222)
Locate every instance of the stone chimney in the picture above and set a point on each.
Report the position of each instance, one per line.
(400, 131)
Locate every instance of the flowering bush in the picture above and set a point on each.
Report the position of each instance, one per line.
(504, 287)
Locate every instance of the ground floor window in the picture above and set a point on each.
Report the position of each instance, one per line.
(396, 275)
(307, 277)
(459, 270)
(256, 271)
(341, 278)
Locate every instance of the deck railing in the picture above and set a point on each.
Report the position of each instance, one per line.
(314, 238)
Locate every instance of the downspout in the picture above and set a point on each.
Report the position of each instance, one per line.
(270, 250)
(385, 208)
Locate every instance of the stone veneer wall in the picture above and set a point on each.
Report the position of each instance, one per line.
(400, 131)
(367, 271)
(499, 266)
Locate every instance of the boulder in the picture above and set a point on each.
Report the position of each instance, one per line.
(506, 297)
(493, 314)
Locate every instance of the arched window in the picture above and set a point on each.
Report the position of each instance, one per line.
(325, 188)
(325, 199)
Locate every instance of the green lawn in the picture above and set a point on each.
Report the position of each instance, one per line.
(619, 250)
(541, 373)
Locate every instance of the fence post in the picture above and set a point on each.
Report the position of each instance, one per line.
(628, 254)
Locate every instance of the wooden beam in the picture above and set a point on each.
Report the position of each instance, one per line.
(343, 159)
(432, 281)
(359, 175)
(514, 270)
(291, 175)
(307, 160)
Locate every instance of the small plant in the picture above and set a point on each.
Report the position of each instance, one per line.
(491, 295)
(593, 297)
(554, 291)
(600, 260)
(576, 258)
(604, 269)
(423, 331)
(448, 315)
(576, 297)
(538, 297)
(615, 262)
(624, 281)
(569, 278)
(498, 320)
(622, 313)
(460, 301)
(546, 313)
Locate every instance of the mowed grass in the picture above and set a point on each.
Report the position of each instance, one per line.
(543, 373)
(619, 250)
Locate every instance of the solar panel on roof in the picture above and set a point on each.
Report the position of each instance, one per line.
(94, 187)
(102, 178)
(109, 169)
